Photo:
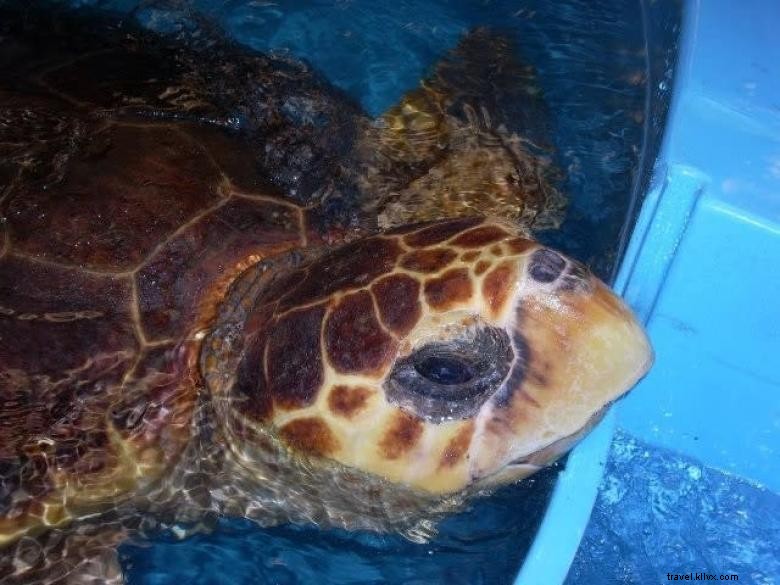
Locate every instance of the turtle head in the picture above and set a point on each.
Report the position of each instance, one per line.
(439, 356)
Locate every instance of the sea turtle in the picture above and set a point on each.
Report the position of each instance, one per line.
(226, 291)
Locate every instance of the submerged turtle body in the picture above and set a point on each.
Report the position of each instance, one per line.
(186, 325)
(107, 277)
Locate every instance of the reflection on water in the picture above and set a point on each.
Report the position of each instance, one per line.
(484, 545)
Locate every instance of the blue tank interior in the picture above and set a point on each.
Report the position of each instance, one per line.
(694, 474)
(715, 314)
(689, 482)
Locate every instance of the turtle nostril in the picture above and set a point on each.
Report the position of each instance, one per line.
(546, 265)
(444, 369)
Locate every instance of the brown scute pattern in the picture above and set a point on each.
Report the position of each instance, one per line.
(457, 447)
(348, 401)
(428, 260)
(481, 267)
(125, 191)
(404, 432)
(294, 359)
(31, 292)
(452, 288)
(311, 436)
(251, 394)
(398, 299)
(520, 245)
(171, 286)
(480, 236)
(439, 232)
(352, 266)
(497, 286)
(470, 256)
(235, 157)
(354, 339)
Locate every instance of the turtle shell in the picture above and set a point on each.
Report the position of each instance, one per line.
(129, 205)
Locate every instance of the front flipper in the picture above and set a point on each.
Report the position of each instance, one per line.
(472, 139)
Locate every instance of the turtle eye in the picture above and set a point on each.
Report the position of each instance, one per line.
(447, 370)
(451, 379)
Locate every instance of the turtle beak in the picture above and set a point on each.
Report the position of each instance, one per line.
(579, 348)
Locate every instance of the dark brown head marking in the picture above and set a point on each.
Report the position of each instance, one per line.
(439, 232)
(481, 267)
(398, 299)
(546, 265)
(250, 392)
(458, 446)
(470, 256)
(450, 289)
(310, 435)
(480, 236)
(293, 359)
(428, 260)
(519, 370)
(404, 433)
(520, 245)
(355, 341)
(347, 401)
(497, 285)
(353, 266)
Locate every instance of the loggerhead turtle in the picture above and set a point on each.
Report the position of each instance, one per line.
(216, 295)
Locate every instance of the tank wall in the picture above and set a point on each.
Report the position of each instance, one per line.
(713, 393)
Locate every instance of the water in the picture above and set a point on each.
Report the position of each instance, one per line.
(595, 72)
(485, 544)
(658, 513)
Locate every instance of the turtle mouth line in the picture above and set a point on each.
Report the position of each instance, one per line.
(522, 460)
